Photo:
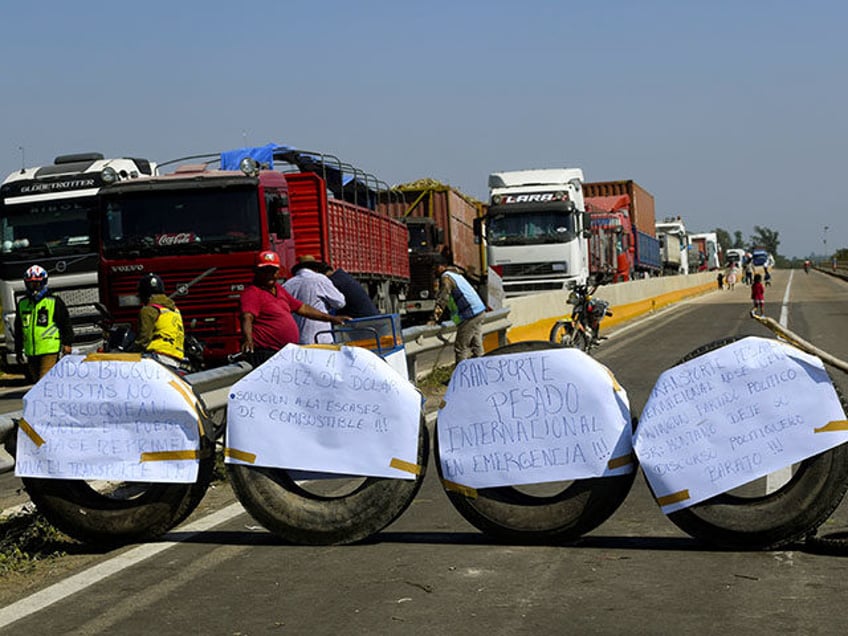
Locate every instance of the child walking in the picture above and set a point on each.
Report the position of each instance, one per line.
(758, 295)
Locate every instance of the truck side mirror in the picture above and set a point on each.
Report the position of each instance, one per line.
(478, 230)
(587, 225)
(440, 236)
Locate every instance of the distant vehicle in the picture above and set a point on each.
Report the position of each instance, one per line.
(706, 251)
(628, 206)
(536, 230)
(48, 216)
(674, 245)
(761, 258)
(440, 220)
(735, 255)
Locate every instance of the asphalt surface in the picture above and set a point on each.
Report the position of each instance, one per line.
(432, 572)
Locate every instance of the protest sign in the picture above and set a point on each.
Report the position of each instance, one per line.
(112, 418)
(734, 415)
(326, 409)
(533, 417)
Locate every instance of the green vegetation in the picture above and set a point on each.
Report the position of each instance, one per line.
(437, 377)
(28, 539)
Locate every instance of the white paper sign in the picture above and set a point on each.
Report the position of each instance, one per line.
(107, 418)
(733, 415)
(533, 417)
(343, 411)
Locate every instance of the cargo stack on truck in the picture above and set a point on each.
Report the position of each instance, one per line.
(201, 228)
(440, 221)
(674, 245)
(536, 230)
(627, 205)
(48, 216)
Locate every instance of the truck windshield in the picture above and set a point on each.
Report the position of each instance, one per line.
(525, 228)
(191, 221)
(47, 228)
(420, 237)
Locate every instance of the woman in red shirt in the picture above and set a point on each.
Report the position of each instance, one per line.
(266, 312)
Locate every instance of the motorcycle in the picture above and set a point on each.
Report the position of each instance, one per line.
(120, 338)
(582, 328)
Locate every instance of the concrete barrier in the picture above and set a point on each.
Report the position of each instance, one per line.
(533, 316)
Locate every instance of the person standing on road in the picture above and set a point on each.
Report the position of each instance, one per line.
(720, 280)
(314, 288)
(467, 311)
(358, 303)
(267, 322)
(758, 294)
(43, 327)
(160, 324)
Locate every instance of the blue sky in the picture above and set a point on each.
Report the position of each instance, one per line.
(732, 114)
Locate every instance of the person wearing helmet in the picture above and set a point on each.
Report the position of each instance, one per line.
(43, 327)
(160, 324)
(266, 312)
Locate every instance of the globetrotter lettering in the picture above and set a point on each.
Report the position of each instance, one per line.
(74, 184)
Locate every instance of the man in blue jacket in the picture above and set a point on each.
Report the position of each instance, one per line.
(466, 309)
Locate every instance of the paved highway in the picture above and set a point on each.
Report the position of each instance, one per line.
(432, 573)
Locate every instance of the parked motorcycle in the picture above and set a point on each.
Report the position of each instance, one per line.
(119, 337)
(582, 328)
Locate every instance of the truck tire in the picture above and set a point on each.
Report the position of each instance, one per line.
(298, 514)
(114, 513)
(127, 512)
(547, 513)
(766, 522)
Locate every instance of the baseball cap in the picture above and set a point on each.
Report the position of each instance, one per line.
(268, 259)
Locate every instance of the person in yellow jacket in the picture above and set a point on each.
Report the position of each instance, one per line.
(42, 325)
(160, 325)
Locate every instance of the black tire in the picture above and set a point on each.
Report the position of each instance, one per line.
(515, 515)
(766, 522)
(134, 512)
(297, 515)
(563, 333)
(117, 513)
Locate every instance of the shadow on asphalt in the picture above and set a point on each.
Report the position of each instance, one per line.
(666, 544)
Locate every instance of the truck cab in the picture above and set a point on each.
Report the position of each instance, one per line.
(536, 230)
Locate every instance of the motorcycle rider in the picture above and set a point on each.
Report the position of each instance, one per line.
(807, 266)
(160, 324)
(42, 325)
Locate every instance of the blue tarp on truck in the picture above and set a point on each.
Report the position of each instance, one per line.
(647, 253)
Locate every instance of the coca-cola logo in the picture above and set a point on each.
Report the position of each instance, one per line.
(178, 238)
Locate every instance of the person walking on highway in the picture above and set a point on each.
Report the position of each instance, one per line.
(312, 287)
(466, 308)
(267, 322)
(43, 327)
(720, 280)
(160, 324)
(758, 295)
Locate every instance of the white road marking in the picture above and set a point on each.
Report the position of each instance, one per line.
(65, 588)
(776, 480)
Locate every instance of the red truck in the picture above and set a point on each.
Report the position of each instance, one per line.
(623, 223)
(200, 229)
(440, 220)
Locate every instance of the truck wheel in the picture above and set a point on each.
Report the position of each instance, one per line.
(746, 518)
(325, 511)
(117, 512)
(541, 513)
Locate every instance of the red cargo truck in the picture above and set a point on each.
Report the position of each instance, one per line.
(628, 206)
(440, 220)
(200, 229)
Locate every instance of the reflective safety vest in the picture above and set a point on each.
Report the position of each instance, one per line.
(40, 332)
(168, 334)
(467, 302)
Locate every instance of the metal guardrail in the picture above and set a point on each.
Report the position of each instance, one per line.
(430, 338)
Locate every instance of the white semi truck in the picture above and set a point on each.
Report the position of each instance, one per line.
(536, 230)
(674, 245)
(48, 216)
